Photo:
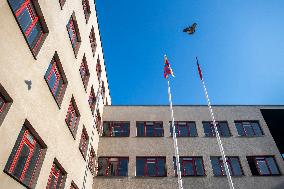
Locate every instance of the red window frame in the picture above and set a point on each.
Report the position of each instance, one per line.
(187, 125)
(92, 100)
(155, 161)
(155, 125)
(84, 141)
(213, 134)
(84, 72)
(264, 159)
(93, 43)
(4, 102)
(116, 124)
(250, 123)
(109, 164)
(73, 112)
(29, 6)
(56, 170)
(192, 161)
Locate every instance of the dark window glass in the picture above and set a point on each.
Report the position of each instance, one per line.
(184, 129)
(83, 146)
(222, 127)
(219, 167)
(72, 117)
(150, 129)
(113, 166)
(29, 22)
(57, 177)
(84, 72)
(248, 128)
(115, 129)
(25, 160)
(99, 68)
(2, 103)
(86, 8)
(92, 100)
(91, 163)
(150, 166)
(93, 41)
(55, 80)
(190, 166)
(263, 165)
(73, 33)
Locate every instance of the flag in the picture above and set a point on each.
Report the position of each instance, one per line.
(199, 69)
(167, 68)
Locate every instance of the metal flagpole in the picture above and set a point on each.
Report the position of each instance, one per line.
(217, 134)
(175, 138)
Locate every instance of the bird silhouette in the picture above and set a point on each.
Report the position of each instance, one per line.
(29, 83)
(190, 29)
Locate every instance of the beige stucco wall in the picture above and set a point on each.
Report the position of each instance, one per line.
(38, 105)
(195, 146)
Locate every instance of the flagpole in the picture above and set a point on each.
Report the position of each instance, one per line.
(175, 138)
(231, 184)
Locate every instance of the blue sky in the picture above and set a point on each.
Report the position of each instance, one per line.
(240, 45)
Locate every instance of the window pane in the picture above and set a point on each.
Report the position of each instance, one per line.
(161, 167)
(248, 129)
(183, 130)
(223, 129)
(187, 168)
(140, 162)
(151, 168)
(215, 166)
(192, 129)
(24, 19)
(21, 161)
(240, 129)
(199, 166)
(150, 130)
(272, 165)
(140, 129)
(159, 130)
(34, 35)
(15, 4)
(236, 166)
(207, 129)
(256, 129)
(123, 167)
(262, 167)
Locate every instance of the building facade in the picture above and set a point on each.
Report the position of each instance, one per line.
(136, 148)
(53, 87)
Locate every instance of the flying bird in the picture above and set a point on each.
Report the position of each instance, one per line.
(29, 83)
(190, 29)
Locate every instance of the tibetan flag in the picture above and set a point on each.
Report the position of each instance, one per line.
(199, 69)
(167, 69)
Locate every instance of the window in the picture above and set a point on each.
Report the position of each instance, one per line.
(103, 90)
(219, 167)
(98, 121)
(92, 100)
(62, 2)
(74, 35)
(99, 68)
(263, 165)
(72, 117)
(113, 166)
(87, 10)
(93, 42)
(190, 166)
(73, 185)
(184, 129)
(56, 79)
(31, 22)
(222, 127)
(116, 129)
(57, 176)
(151, 166)
(150, 129)
(5, 103)
(91, 163)
(248, 128)
(25, 161)
(83, 146)
(84, 72)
